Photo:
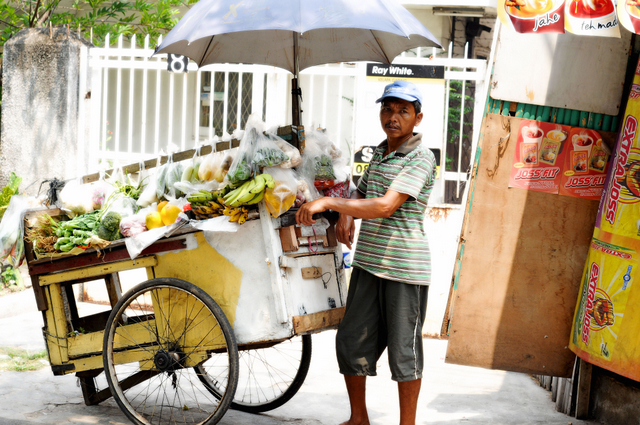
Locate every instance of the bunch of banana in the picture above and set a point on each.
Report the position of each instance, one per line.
(200, 197)
(238, 214)
(251, 192)
(204, 205)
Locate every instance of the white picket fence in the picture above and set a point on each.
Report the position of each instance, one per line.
(139, 109)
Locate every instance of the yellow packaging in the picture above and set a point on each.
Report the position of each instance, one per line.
(280, 199)
(606, 284)
(606, 323)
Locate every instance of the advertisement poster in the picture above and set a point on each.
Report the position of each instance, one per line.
(629, 15)
(608, 308)
(532, 16)
(539, 157)
(583, 17)
(585, 165)
(593, 17)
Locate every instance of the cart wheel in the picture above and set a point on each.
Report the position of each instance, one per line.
(269, 377)
(158, 333)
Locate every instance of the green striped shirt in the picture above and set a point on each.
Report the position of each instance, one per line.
(396, 248)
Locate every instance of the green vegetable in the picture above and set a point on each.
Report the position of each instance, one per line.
(324, 168)
(109, 227)
(8, 191)
(269, 157)
(111, 220)
(241, 173)
(67, 247)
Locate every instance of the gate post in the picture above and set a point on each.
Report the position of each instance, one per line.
(46, 106)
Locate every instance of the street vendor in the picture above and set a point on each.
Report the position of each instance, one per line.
(387, 298)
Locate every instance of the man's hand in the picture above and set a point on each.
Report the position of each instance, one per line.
(305, 214)
(345, 230)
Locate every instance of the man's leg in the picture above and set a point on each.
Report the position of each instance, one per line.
(356, 387)
(357, 341)
(408, 392)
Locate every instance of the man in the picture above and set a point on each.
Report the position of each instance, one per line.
(387, 299)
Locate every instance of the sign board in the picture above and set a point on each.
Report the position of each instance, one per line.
(177, 63)
(552, 70)
(430, 81)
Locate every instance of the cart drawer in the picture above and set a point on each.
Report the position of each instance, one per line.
(314, 284)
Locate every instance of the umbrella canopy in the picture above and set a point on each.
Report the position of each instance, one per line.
(295, 34)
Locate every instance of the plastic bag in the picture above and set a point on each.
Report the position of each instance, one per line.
(317, 160)
(191, 170)
(267, 153)
(174, 175)
(241, 167)
(291, 151)
(77, 197)
(306, 190)
(12, 231)
(216, 166)
(189, 188)
(100, 192)
(135, 224)
(282, 196)
(121, 204)
(149, 194)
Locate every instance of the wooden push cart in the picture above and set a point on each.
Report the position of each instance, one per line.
(222, 319)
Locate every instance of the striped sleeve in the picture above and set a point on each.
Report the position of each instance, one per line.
(414, 176)
(363, 182)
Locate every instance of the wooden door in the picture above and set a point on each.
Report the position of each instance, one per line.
(521, 261)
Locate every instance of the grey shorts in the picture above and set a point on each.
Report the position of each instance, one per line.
(381, 314)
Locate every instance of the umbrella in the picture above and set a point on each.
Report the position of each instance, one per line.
(295, 34)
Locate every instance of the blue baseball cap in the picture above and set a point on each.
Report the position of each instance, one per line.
(402, 90)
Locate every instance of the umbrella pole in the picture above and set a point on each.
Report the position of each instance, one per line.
(296, 93)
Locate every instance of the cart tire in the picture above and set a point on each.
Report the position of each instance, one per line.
(269, 377)
(157, 335)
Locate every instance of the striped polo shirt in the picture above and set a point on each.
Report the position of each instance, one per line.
(396, 248)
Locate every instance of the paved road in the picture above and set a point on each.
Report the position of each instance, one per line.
(451, 394)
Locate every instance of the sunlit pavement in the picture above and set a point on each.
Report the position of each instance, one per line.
(450, 394)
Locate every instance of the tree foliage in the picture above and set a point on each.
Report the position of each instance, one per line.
(96, 17)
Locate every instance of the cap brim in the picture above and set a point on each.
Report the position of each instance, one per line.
(400, 96)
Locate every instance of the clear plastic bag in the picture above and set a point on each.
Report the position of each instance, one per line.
(135, 224)
(77, 197)
(216, 165)
(149, 194)
(282, 196)
(242, 167)
(191, 170)
(291, 151)
(317, 160)
(12, 231)
(267, 153)
(173, 176)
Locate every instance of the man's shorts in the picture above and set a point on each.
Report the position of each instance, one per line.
(381, 314)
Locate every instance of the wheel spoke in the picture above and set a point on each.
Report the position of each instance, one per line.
(158, 388)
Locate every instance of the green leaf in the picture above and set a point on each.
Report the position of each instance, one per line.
(14, 182)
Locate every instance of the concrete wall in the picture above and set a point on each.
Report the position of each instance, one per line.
(43, 107)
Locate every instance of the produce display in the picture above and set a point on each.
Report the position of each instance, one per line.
(230, 184)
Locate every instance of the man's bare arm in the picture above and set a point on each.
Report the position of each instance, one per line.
(382, 207)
